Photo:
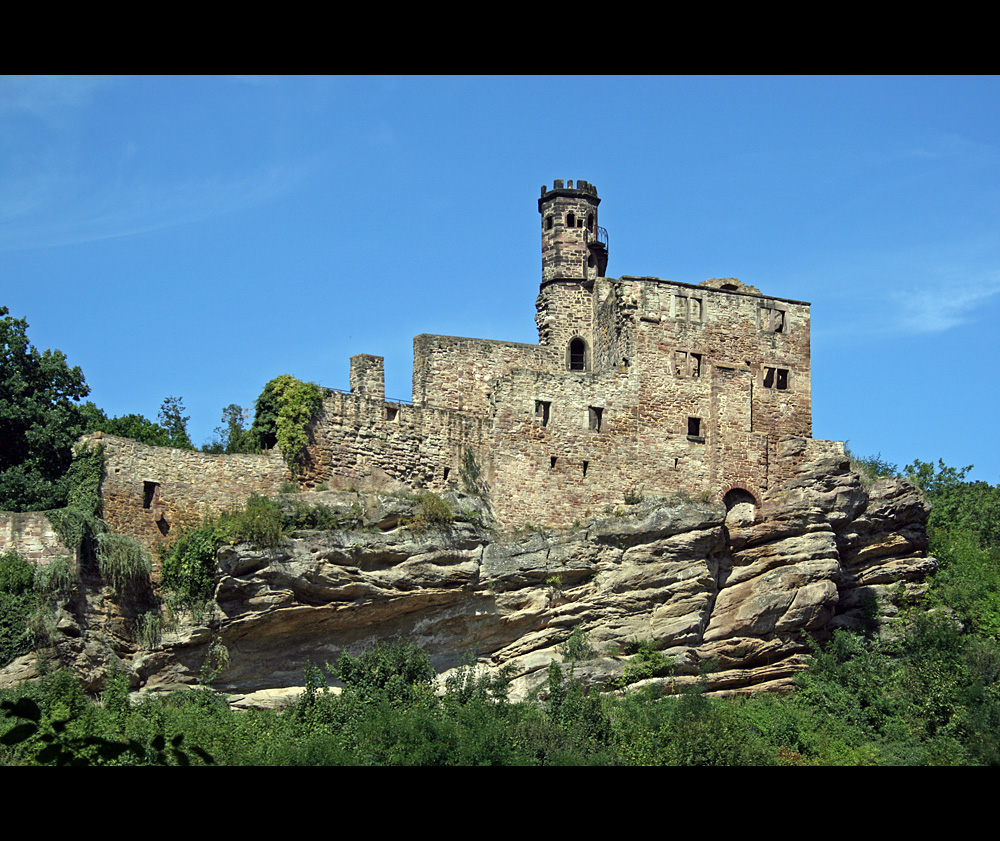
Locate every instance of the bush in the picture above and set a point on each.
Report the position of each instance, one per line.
(189, 565)
(124, 562)
(17, 573)
(433, 512)
(393, 672)
(259, 523)
(17, 604)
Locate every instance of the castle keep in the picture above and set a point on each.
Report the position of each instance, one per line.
(637, 386)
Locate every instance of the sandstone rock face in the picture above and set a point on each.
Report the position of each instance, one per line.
(742, 590)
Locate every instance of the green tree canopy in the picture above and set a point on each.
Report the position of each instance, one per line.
(40, 419)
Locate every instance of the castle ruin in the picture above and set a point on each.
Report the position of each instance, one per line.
(637, 387)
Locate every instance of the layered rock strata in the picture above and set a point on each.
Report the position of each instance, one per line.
(742, 591)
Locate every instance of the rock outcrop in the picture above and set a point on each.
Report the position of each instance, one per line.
(742, 590)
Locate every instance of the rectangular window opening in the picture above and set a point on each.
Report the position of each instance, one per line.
(150, 493)
(596, 418)
(391, 413)
(586, 464)
(542, 410)
(694, 428)
(776, 378)
(447, 471)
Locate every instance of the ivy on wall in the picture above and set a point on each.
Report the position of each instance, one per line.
(285, 408)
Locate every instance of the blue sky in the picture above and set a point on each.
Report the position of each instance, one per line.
(197, 236)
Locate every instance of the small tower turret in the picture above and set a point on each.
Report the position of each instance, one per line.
(574, 247)
(574, 255)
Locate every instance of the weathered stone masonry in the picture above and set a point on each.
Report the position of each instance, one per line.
(637, 386)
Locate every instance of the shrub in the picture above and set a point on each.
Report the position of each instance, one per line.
(17, 573)
(17, 604)
(124, 562)
(433, 512)
(577, 646)
(394, 672)
(259, 523)
(189, 566)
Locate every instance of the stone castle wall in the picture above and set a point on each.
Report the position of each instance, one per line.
(148, 491)
(457, 374)
(31, 534)
(365, 443)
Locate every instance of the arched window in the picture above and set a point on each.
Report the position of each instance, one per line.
(578, 355)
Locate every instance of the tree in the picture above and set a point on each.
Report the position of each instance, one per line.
(174, 421)
(40, 419)
(233, 436)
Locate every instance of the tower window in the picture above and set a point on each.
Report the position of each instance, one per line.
(776, 378)
(570, 220)
(773, 320)
(694, 429)
(590, 222)
(549, 222)
(578, 355)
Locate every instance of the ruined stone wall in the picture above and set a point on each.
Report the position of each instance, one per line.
(456, 373)
(362, 443)
(148, 491)
(31, 534)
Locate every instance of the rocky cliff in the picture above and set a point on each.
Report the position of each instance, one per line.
(741, 590)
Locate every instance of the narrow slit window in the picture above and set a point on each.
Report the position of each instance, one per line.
(586, 465)
(150, 493)
(552, 463)
(595, 417)
(542, 409)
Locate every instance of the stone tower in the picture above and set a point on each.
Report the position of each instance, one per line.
(574, 253)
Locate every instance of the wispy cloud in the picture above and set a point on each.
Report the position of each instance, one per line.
(944, 306)
(52, 209)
